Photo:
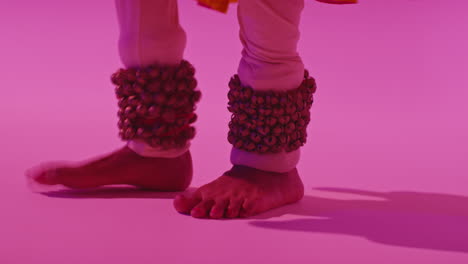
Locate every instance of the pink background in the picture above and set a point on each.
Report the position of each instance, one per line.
(385, 166)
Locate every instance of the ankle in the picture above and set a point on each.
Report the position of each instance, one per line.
(143, 149)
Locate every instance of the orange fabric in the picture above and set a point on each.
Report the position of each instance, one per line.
(222, 5)
(219, 5)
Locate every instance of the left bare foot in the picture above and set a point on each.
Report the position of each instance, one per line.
(122, 166)
(242, 192)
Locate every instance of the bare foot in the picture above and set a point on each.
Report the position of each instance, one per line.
(122, 166)
(242, 192)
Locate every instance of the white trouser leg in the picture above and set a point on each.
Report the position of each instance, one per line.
(269, 32)
(150, 33)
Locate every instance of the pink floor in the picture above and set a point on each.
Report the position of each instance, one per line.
(385, 167)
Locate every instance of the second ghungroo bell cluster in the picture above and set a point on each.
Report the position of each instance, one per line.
(269, 121)
(157, 104)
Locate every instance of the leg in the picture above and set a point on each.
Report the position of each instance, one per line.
(149, 34)
(270, 66)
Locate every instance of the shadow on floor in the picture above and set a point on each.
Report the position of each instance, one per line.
(113, 192)
(402, 218)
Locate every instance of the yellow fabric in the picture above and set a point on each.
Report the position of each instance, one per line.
(222, 5)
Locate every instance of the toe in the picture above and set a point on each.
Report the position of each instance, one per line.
(47, 173)
(234, 208)
(185, 203)
(47, 176)
(202, 209)
(54, 176)
(219, 208)
(248, 208)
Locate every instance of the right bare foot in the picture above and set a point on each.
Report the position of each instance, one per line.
(122, 166)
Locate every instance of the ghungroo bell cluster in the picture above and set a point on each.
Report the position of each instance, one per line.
(157, 104)
(269, 121)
